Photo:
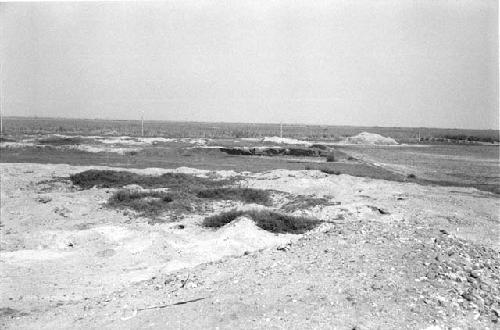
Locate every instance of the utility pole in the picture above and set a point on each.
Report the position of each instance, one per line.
(1, 100)
(281, 130)
(142, 123)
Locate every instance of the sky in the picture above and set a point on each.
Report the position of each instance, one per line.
(425, 63)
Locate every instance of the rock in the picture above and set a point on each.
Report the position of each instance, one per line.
(495, 315)
(467, 296)
(475, 274)
(484, 286)
(62, 211)
(479, 302)
(44, 199)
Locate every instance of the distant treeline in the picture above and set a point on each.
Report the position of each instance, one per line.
(471, 138)
(22, 125)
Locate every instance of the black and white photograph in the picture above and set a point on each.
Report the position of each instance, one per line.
(250, 164)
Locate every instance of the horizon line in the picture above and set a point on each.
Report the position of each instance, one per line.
(250, 123)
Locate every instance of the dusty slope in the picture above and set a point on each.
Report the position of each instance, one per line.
(432, 257)
(370, 138)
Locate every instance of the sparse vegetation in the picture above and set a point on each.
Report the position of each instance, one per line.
(271, 221)
(330, 157)
(221, 219)
(187, 193)
(151, 203)
(320, 146)
(247, 195)
(61, 141)
(117, 179)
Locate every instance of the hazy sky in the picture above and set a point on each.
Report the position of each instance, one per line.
(386, 63)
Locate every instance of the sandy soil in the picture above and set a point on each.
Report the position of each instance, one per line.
(394, 255)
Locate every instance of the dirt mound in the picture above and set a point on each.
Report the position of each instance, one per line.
(276, 139)
(371, 138)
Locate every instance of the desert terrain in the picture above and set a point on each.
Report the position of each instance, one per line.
(390, 245)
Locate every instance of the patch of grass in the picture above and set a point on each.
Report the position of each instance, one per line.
(247, 195)
(117, 179)
(320, 146)
(61, 141)
(330, 157)
(152, 203)
(144, 202)
(271, 221)
(219, 220)
(283, 223)
(187, 193)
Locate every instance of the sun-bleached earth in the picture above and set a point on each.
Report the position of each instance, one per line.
(389, 255)
(366, 138)
(95, 144)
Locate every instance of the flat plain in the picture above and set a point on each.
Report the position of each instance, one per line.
(405, 236)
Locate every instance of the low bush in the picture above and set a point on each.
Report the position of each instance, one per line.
(247, 195)
(222, 219)
(271, 221)
(283, 223)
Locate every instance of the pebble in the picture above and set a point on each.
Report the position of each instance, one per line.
(475, 274)
(44, 199)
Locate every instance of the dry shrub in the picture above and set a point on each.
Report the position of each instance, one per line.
(247, 195)
(271, 221)
(221, 219)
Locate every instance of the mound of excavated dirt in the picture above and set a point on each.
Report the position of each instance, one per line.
(279, 140)
(371, 138)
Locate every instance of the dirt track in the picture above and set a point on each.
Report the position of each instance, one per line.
(431, 259)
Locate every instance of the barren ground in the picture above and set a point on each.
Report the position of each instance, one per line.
(394, 255)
